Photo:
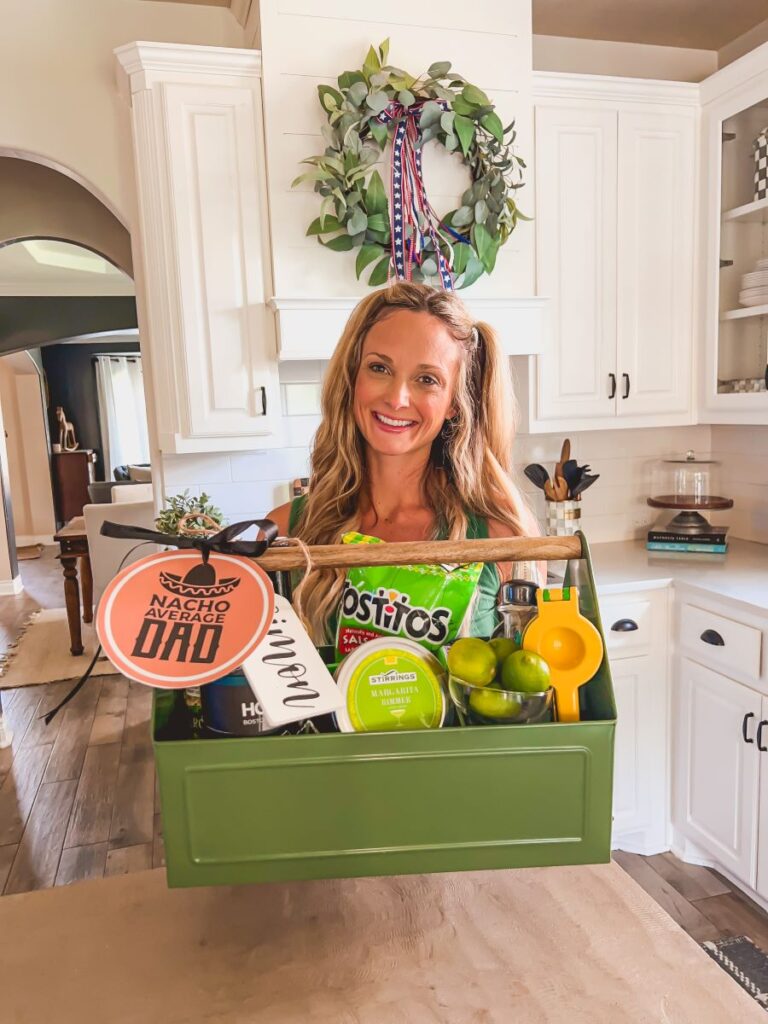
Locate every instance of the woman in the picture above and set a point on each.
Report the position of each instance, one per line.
(415, 442)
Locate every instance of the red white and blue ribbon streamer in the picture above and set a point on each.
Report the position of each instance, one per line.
(409, 198)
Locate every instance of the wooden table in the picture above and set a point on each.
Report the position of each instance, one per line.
(73, 543)
(581, 945)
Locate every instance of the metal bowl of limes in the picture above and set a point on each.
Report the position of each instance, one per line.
(495, 682)
(490, 705)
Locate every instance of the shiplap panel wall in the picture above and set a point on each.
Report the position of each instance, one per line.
(305, 43)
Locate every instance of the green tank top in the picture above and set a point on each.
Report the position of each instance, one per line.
(484, 615)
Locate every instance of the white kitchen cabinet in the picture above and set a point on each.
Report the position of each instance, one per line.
(616, 192)
(758, 731)
(734, 366)
(636, 628)
(717, 767)
(201, 245)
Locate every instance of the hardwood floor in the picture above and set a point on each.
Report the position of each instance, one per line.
(78, 798)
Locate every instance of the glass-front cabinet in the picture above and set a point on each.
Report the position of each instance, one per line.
(735, 370)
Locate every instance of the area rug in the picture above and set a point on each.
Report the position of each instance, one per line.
(41, 652)
(745, 963)
(27, 551)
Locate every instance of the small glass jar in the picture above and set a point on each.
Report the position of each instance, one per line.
(517, 606)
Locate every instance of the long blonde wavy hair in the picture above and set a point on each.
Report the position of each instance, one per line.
(469, 470)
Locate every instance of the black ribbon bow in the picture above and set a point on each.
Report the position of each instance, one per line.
(224, 542)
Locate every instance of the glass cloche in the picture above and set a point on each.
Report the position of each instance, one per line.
(690, 486)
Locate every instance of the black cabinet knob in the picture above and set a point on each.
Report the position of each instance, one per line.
(711, 636)
(624, 626)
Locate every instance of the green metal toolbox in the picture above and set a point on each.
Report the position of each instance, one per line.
(334, 805)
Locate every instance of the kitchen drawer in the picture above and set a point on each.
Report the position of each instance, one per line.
(719, 641)
(628, 625)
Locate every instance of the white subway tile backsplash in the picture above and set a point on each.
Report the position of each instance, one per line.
(181, 471)
(274, 464)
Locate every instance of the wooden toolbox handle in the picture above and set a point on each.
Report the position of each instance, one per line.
(436, 552)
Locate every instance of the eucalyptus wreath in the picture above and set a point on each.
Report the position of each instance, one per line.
(354, 212)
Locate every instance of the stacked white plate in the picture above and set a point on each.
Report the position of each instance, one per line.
(754, 286)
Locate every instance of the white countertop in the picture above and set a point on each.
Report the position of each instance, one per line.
(739, 575)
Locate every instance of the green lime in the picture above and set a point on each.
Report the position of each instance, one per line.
(494, 704)
(472, 660)
(525, 672)
(503, 646)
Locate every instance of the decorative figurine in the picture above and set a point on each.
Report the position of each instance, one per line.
(67, 439)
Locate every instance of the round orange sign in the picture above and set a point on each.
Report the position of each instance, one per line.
(170, 620)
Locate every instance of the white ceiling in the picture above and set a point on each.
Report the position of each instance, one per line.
(698, 24)
(66, 270)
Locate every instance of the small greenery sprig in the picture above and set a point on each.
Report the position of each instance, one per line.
(180, 505)
(354, 213)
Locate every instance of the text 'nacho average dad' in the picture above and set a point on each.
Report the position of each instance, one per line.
(170, 620)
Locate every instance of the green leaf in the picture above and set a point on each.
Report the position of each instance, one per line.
(372, 63)
(486, 246)
(330, 98)
(367, 254)
(312, 176)
(431, 113)
(377, 101)
(481, 211)
(462, 217)
(461, 106)
(429, 268)
(343, 243)
(327, 227)
(475, 96)
(465, 129)
(378, 222)
(492, 123)
(439, 69)
(406, 97)
(446, 121)
(384, 52)
(451, 142)
(357, 93)
(461, 254)
(380, 273)
(357, 222)
(473, 270)
(375, 196)
(348, 79)
(380, 132)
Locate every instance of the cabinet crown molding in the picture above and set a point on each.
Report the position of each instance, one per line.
(562, 86)
(140, 63)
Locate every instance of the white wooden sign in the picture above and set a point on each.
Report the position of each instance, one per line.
(287, 675)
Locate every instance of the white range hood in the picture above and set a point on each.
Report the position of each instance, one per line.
(309, 328)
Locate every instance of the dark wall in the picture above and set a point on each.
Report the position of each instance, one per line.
(71, 376)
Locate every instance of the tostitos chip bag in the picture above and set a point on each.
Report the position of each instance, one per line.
(425, 603)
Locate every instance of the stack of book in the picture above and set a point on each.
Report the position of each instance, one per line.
(712, 541)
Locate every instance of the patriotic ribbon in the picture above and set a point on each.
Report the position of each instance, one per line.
(409, 197)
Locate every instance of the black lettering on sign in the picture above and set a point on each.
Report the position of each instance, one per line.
(151, 633)
(284, 649)
(181, 634)
(206, 644)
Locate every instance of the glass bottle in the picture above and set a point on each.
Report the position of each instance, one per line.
(517, 606)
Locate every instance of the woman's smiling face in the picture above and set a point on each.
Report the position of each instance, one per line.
(406, 381)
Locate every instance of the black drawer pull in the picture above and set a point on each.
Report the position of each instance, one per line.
(612, 382)
(760, 745)
(624, 626)
(744, 724)
(625, 378)
(711, 636)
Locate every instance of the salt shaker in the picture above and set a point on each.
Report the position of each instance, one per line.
(517, 606)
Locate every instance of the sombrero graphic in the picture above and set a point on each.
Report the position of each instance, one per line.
(200, 581)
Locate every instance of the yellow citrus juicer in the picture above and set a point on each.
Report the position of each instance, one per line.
(569, 643)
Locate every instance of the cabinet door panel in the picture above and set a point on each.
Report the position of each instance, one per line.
(228, 384)
(576, 153)
(630, 810)
(656, 205)
(718, 796)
